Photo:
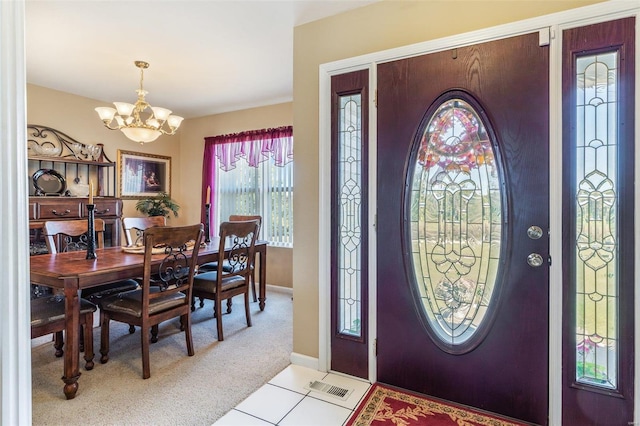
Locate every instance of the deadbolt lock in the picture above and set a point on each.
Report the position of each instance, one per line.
(534, 232)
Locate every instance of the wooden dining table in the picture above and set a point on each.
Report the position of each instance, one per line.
(72, 272)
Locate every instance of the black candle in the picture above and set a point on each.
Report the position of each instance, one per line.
(207, 214)
(91, 238)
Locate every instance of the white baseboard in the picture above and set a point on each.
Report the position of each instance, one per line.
(304, 361)
(278, 289)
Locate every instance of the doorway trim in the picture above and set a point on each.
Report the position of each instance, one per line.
(550, 28)
(14, 308)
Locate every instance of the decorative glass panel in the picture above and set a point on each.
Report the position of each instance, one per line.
(456, 223)
(350, 211)
(596, 221)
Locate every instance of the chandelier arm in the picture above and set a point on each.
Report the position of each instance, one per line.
(108, 125)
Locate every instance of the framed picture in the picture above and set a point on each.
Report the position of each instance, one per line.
(143, 175)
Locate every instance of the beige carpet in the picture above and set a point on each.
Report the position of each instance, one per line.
(182, 390)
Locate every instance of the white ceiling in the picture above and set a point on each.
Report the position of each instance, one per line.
(205, 56)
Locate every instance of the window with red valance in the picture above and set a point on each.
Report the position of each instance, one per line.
(251, 173)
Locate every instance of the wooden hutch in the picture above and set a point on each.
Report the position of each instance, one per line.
(61, 170)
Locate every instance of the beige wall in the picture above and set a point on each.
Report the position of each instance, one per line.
(75, 116)
(372, 28)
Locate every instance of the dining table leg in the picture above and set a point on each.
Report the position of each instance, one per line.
(72, 346)
(262, 297)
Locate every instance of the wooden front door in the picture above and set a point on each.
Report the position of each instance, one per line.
(462, 226)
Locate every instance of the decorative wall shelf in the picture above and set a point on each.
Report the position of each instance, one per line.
(52, 153)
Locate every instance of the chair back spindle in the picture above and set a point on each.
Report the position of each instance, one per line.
(257, 218)
(175, 273)
(242, 218)
(239, 238)
(134, 228)
(71, 235)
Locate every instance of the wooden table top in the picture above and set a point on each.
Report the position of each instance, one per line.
(112, 264)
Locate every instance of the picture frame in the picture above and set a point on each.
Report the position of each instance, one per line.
(142, 175)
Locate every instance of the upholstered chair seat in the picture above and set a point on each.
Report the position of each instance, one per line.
(130, 302)
(207, 281)
(98, 294)
(47, 316)
(213, 266)
(46, 310)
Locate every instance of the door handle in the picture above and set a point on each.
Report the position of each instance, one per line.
(535, 260)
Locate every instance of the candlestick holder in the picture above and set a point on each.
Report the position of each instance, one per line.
(91, 237)
(207, 219)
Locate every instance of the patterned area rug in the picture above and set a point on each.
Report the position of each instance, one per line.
(386, 406)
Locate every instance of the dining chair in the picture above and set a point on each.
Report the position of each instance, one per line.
(134, 227)
(237, 250)
(170, 259)
(47, 316)
(71, 235)
(212, 266)
(47, 313)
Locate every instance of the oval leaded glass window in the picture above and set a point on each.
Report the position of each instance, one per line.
(455, 222)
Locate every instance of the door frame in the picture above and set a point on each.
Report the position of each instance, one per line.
(550, 27)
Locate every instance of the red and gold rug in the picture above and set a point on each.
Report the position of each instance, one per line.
(387, 406)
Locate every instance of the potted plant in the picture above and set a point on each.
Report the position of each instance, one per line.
(160, 205)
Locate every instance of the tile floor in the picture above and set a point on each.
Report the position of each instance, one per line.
(285, 401)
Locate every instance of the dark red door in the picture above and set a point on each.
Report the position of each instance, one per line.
(503, 367)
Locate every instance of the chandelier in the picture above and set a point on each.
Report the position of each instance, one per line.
(135, 126)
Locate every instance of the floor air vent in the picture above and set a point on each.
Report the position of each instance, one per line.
(332, 390)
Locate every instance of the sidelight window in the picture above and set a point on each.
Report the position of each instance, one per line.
(596, 232)
(350, 201)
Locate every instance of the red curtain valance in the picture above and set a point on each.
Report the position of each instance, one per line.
(255, 146)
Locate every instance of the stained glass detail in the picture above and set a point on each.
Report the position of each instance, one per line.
(596, 236)
(349, 176)
(456, 222)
